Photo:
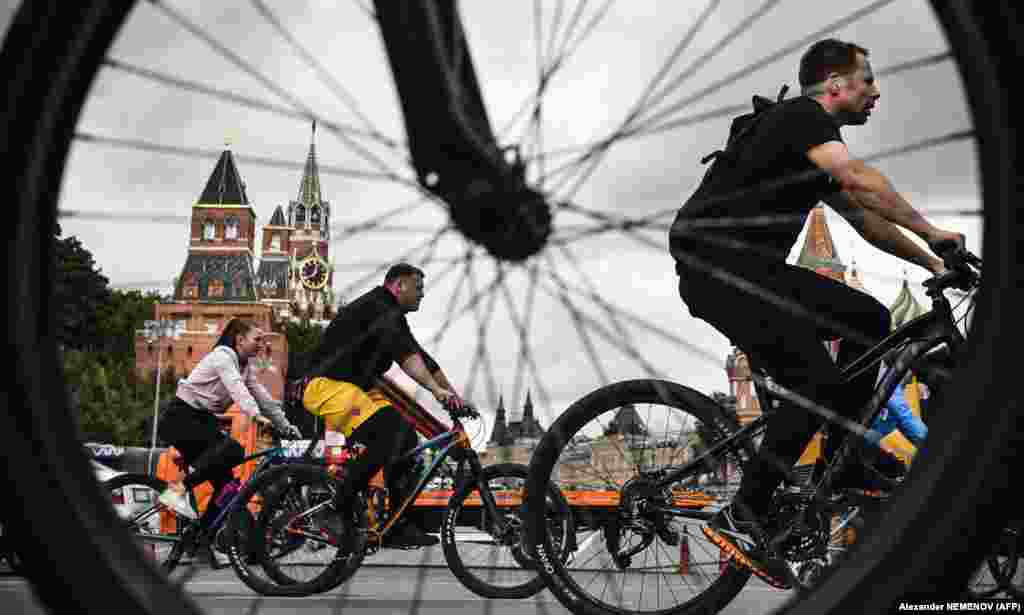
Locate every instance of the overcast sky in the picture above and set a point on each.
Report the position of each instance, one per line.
(588, 98)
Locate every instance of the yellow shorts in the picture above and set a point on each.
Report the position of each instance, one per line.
(343, 405)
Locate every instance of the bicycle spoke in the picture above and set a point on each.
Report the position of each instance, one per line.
(244, 101)
(325, 76)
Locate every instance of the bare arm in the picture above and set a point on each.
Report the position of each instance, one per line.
(871, 190)
(442, 379)
(880, 233)
(416, 368)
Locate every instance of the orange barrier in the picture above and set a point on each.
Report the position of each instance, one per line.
(439, 497)
(253, 439)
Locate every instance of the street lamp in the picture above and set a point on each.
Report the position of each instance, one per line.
(155, 330)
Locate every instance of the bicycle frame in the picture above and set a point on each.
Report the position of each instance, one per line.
(271, 456)
(452, 443)
(917, 338)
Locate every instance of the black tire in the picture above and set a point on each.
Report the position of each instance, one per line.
(263, 547)
(171, 552)
(936, 532)
(488, 588)
(546, 456)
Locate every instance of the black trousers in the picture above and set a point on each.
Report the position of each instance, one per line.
(213, 454)
(386, 435)
(790, 349)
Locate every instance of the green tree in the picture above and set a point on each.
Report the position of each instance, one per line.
(80, 291)
(109, 401)
(303, 338)
(96, 334)
(124, 313)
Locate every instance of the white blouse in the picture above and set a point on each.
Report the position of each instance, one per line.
(217, 381)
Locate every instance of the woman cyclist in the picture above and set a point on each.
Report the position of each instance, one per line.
(189, 421)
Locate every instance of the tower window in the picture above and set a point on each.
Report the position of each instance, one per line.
(314, 215)
(208, 229)
(231, 228)
(300, 215)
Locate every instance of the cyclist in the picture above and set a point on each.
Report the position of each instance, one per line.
(732, 272)
(189, 421)
(362, 342)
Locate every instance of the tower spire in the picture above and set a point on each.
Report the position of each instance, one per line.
(499, 433)
(309, 187)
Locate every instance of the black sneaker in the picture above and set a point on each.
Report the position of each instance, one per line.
(408, 535)
(741, 539)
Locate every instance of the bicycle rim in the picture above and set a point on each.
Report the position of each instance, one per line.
(661, 577)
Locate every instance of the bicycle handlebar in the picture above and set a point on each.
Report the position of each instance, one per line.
(467, 411)
(962, 267)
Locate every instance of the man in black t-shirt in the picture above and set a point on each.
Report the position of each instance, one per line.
(363, 341)
(730, 241)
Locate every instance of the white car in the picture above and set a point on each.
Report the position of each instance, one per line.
(130, 498)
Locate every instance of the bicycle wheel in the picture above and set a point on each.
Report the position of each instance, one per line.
(625, 435)
(298, 533)
(491, 562)
(156, 530)
(241, 542)
(49, 59)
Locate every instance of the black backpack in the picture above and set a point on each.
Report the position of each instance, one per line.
(744, 125)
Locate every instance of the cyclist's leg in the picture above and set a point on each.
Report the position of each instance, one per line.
(378, 434)
(396, 473)
(790, 349)
(909, 424)
(211, 453)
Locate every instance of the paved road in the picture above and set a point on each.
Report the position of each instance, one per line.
(378, 589)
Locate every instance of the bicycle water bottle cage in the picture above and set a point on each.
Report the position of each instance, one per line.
(743, 125)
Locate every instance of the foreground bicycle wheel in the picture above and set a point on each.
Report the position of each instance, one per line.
(493, 564)
(935, 534)
(633, 561)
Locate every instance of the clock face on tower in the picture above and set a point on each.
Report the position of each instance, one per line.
(313, 273)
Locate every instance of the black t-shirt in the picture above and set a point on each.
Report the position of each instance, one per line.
(775, 149)
(365, 338)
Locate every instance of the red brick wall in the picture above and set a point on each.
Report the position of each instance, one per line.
(246, 227)
(184, 353)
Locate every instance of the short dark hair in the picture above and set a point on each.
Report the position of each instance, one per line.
(828, 56)
(401, 270)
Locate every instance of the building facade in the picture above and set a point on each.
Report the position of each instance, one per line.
(221, 280)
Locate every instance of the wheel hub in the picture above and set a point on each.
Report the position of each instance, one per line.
(511, 220)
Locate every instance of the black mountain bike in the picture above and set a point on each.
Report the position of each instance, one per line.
(809, 528)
